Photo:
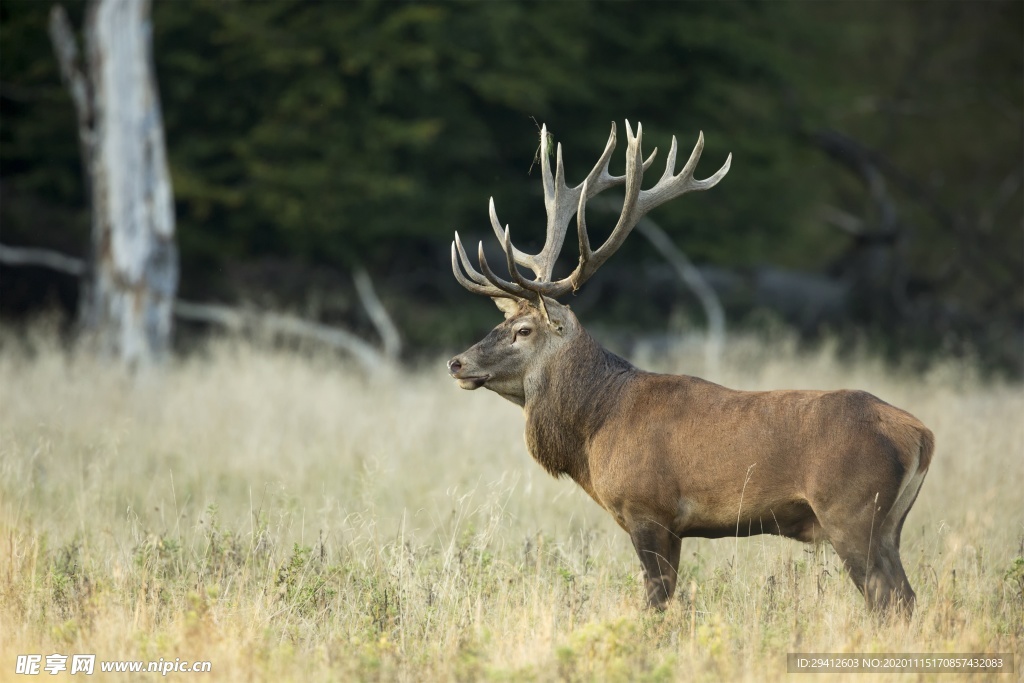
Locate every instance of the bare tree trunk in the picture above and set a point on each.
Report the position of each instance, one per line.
(126, 303)
(239, 320)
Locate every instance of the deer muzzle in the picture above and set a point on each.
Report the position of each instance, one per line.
(466, 380)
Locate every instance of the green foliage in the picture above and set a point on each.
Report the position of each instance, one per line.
(42, 195)
(66, 577)
(329, 133)
(224, 551)
(1015, 577)
(608, 651)
(159, 555)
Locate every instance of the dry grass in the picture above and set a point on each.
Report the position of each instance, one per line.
(283, 518)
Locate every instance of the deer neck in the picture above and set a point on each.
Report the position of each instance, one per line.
(568, 400)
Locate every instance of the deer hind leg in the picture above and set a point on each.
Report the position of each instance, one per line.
(887, 584)
(869, 549)
(895, 592)
(658, 549)
(902, 595)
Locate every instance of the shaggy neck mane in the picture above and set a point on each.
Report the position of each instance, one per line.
(568, 401)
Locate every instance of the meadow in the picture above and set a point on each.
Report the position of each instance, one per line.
(284, 517)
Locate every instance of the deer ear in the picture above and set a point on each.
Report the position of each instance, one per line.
(508, 306)
(551, 314)
(556, 323)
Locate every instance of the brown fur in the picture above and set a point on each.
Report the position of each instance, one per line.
(675, 456)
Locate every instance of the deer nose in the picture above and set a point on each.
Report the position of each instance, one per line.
(454, 365)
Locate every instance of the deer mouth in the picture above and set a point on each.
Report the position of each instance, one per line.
(472, 382)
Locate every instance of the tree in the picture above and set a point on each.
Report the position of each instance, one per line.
(132, 271)
(311, 136)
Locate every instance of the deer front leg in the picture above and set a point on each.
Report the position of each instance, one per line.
(658, 549)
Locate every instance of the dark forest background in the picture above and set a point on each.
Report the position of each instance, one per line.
(875, 191)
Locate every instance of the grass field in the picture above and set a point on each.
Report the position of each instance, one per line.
(282, 517)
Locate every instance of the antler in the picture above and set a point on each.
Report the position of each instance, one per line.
(561, 202)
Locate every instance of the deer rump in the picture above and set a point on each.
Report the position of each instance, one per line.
(671, 456)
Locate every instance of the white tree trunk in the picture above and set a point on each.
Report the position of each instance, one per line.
(126, 304)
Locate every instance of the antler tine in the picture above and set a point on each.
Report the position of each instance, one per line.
(558, 198)
(694, 185)
(600, 171)
(599, 179)
(691, 164)
(517, 277)
(521, 257)
(486, 290)
(633, 178)
(559, 167)
(670, 160)
(581, 228)
(672, 185)
(505, 286)
(464, 259)
(545, 165)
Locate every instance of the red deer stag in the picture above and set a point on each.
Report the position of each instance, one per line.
(671, 456)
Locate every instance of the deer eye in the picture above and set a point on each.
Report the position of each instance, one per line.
(523, 332)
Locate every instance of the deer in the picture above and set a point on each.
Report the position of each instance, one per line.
(676, 456)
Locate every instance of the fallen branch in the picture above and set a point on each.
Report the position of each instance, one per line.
(389, 336)
(843, 220)
(43, 258)
(241, 320)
